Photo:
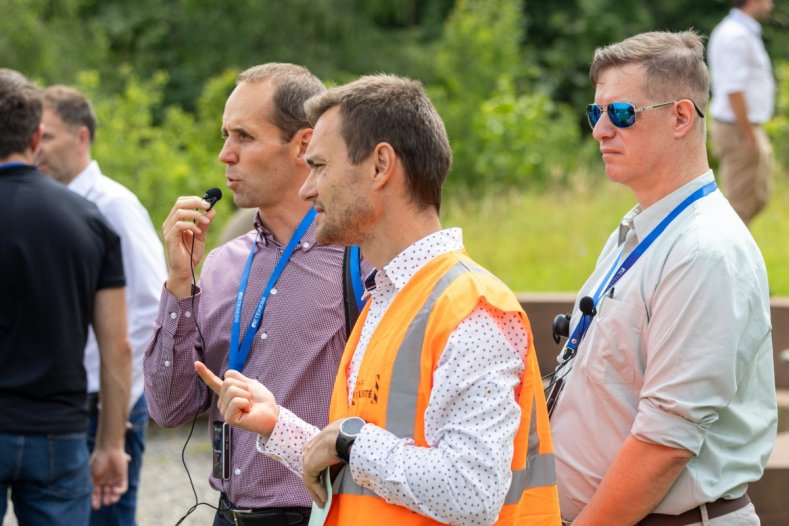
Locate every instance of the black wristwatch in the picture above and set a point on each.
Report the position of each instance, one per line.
(349, 430)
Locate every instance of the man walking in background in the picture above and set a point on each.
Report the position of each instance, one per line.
(61, 270)
(743, 99)
(65, 155)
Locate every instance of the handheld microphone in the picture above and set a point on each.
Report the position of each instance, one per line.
(212, 195)
(587, 306)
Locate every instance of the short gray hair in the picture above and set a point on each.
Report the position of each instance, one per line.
(673, 62)
(72, 107)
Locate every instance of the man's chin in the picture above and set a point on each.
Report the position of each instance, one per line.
(325, 236)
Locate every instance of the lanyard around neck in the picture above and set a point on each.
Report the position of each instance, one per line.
(608, 281)
(12, 164)
(238, 354)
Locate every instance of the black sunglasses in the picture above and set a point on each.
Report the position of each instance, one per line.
(623, 114)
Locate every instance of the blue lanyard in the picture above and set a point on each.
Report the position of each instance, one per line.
(238, 354)
(583, 324)
(11, 164)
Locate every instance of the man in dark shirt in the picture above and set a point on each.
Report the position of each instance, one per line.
(61, 270)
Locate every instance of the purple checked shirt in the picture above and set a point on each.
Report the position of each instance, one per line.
(295, 353)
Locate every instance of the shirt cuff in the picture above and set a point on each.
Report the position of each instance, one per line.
(656, 426)
(176, 316)
(287, 440)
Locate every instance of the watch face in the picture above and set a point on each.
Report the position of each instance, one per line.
(352, 426)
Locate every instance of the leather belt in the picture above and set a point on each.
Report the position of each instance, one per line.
(262, 516)
(714, 509)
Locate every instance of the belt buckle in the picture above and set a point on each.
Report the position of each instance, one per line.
(236, 513)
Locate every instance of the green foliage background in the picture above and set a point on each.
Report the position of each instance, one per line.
(508, 76)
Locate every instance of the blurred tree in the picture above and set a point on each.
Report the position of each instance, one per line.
(504, 128)
(158, 160)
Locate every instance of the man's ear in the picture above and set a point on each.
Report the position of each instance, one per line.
(302, 140)
(35, 140)
(84, 135)
(384, 163)
(684, 117)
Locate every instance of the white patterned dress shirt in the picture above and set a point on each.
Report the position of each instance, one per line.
(471, 419)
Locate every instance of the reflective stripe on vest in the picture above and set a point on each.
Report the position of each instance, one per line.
(401, 409)
(540, 469)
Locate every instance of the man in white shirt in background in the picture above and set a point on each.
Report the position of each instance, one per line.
(743, 99)
(65, 155)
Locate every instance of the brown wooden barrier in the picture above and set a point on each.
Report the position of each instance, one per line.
(542, 307)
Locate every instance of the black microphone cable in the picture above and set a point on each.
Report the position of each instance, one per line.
(212, 195)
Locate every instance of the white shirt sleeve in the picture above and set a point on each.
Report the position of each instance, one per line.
(470, 424)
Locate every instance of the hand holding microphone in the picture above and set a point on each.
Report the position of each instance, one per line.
(184, 238)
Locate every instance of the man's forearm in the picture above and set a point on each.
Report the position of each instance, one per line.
(109, 325)
(640, 476)
(114, 391)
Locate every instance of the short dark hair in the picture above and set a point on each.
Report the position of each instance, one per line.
(386, 108)
(673, 62)
(20, 112)
(294, 85)
(72, 107)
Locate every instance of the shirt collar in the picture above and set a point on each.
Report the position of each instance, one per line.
(264, 236)
(741, 17)
(85, 180)
(408, 262)
(644, 221)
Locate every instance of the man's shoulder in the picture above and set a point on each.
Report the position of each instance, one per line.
(727, 30)
(109, 191)
(716, 235)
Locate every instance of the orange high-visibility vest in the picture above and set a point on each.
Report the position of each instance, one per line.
(396, 377)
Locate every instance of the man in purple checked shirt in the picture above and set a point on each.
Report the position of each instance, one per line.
(290, 326)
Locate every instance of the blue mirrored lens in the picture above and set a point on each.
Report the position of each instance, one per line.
(593, 113)
(622, 114)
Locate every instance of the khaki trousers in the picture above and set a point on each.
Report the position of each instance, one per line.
(745, 171)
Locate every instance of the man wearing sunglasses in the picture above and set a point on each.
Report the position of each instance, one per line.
(667, 410)
(743, 98)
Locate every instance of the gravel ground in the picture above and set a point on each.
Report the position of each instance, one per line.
(165, 493)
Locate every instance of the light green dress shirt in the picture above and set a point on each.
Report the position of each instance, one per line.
(680, 356)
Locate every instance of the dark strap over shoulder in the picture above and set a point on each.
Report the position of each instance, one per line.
(349, 295)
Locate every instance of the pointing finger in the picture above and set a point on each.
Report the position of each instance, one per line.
(211, 380)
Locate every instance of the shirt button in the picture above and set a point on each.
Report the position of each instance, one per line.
(188, 314)
(273, 291)
(167, 363)
(237, 471)
(173, 315)
(305, 245)
(263, 335)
